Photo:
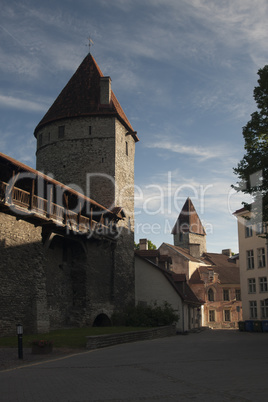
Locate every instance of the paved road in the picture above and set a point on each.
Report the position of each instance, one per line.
(209, 366)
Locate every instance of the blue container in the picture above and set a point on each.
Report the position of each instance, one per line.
(257, 326)
(249, 325)
(265, 325)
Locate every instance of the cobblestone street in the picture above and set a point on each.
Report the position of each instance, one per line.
(214, 365)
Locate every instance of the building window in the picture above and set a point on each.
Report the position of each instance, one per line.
(226, 294)
(261, 257)
(227, 315)
(210, 295)
(251, 285)
(48, 137)
(61, 131)
(250, 259)
(253, 309)
(259, 228)
(126, 148)
(89, 130)
(211, 316)
(238, 294)
(248, 230)
(264, 308)
(263, 284)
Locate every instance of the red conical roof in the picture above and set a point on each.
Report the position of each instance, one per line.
(81, 97)
(188, 220)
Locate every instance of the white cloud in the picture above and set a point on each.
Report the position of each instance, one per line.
(11, 102)
(194, 151)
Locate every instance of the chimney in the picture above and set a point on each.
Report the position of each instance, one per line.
(227, 252)
(143, 244)
(105, 90)
(194, 250)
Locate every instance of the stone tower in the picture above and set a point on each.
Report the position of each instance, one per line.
(86, 141)
(189, 232)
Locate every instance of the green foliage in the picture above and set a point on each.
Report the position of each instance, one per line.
(146, 316)
(252, 170)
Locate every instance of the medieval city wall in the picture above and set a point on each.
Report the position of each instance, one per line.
(22, 276)
(64, 282)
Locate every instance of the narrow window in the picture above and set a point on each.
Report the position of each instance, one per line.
(89, 130)
(210, 295)
(126, 148)
(48, 137)
(227, 315)
(263, 284)
(250, 259)
(237, 294)
(253, 309)
(251, 285)
(61, 131)
(261, 257)
(264, 308)
(248, 230)
(226, 294)
(211, 316)
(259, 228)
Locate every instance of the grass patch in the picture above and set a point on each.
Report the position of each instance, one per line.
(74, 338)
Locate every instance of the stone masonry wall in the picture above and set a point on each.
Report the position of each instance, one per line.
(102, 341)
(80, 152)
(22, 277)
(184, 239)
(107, 151)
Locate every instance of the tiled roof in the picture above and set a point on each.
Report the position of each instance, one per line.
(81, 97)
(184, 252)
(184, 288)
(179, 277)
(225, 267)
(196, 278)
(221, 260)
(147, 253)
(188, 220)
(238, 211)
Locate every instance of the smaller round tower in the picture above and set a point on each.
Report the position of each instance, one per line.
(189, 232)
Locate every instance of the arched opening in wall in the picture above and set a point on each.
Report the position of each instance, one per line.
(102, 320)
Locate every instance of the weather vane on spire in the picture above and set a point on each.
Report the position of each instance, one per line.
(90, 43)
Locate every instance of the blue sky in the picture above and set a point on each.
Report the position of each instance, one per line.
(184, 72)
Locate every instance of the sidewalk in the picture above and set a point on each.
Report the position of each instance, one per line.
(9, 356)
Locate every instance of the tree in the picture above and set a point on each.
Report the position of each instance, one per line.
(252, 170)
(151, 246)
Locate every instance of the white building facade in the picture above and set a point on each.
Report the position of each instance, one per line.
(253, 267)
